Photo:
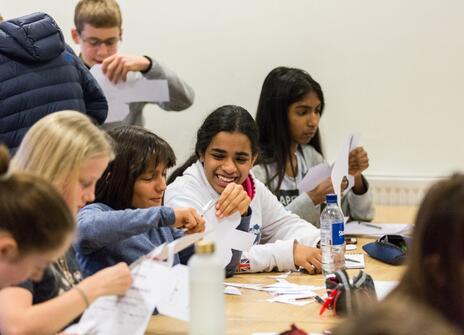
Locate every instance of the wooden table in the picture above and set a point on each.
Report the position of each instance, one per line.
(250, 312)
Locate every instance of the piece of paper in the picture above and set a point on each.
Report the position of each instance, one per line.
(129, 314)
(281, 276)
(171, 290)
(155, 284)
(293, 300)
(135, 89)
(354, 261)
(232, 290)
(225, 236)
(360, 228)
(383, 288)
(341, 167)
(315, 175)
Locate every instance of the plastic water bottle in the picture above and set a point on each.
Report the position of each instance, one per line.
(207, 314)
(332, 236)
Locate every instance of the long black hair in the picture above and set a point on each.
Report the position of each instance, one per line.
(136, 150)
(228, 118)
(282, 87)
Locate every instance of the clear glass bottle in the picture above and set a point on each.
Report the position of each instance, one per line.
(207, 313)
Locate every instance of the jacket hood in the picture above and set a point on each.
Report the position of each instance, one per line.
(34, 37)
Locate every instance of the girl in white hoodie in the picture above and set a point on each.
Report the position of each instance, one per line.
(226, 148)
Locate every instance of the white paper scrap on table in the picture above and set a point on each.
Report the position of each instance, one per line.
(232, 290)
(281, 276)
(292, 300)
(225, 236)
(383, 288)
(136, 88)
(354, 261)
(359, 228)
(257, 287)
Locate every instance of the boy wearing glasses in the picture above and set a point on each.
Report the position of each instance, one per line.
(98, 31)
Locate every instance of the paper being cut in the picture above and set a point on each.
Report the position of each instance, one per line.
(225, 236)
(317, 174)
(155, 284)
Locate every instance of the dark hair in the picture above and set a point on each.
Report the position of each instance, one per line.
(137, 149)
(228, 118)
(31, 210)
(434, 275)
(282, 87)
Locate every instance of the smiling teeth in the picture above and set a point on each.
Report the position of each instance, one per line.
(227, 180)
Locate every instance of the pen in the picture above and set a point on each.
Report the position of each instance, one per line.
(319, 299)
(370, 225)
(328, 300)
(352, 260)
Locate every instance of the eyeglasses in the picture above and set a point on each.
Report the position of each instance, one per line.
(96, 42)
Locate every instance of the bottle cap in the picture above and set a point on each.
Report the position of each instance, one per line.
(204, 247)
(331, 198)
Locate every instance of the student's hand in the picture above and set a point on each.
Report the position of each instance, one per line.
(358, 161)
(318, 194)
(189, 218)
(116, 66)
(113, 280)
(233, 198)
(307, 257)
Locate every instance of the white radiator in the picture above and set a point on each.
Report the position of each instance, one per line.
(398, 190)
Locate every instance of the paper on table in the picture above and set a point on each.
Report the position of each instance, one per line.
(359, 264)
(136, 89)
(292, 300)
(225, 236)
(383, 288)
(359, 229)
(232, 290)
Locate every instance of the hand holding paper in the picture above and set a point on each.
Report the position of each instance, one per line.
(233, 198)
(190, 219)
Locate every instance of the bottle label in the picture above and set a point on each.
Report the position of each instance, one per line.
(338, 233)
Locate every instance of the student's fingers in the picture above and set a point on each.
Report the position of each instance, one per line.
(244, 204)
(118, 72)
(111, 66)
(309, 267)
(121, 278)
(236, 198)
(106, 62)
(224, 195)
(196, 223)
(224, 205)
(125, 70)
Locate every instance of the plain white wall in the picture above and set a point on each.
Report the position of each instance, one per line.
(391, 70)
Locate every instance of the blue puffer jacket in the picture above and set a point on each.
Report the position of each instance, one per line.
(39, 75)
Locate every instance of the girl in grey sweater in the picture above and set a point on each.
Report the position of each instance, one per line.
(289, 111)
